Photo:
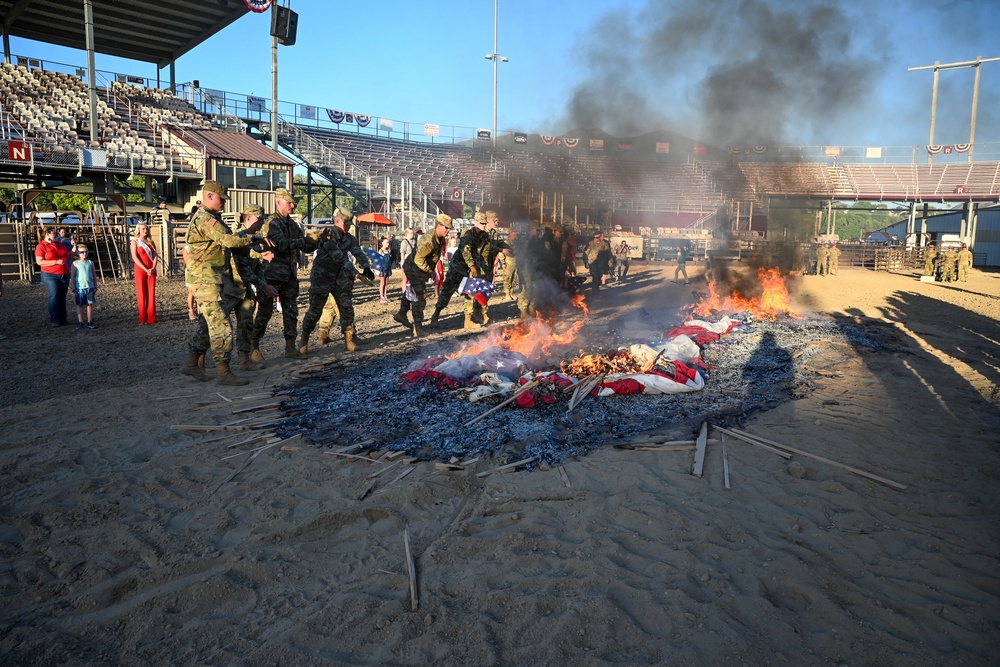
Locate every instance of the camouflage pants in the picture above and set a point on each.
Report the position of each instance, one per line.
(948, 271)
(510, 286)
(341, 290)
(213, 329)
(330, 312)
(963, 272)
(832, 265)
(929, 266)
(288, 294)
(419, 283)
(451, 282)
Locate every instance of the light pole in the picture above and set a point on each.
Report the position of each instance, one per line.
(937, 67)
(496, 58)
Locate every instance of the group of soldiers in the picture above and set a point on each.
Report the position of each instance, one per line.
(826, 259)
(950, 265)
(243, 272)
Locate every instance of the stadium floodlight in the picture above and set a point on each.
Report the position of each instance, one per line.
(496, 58)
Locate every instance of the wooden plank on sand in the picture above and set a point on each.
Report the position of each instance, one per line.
(565, 477)
(411, 569)
(752, 441)
(817, 457)
(725, 466)
(699, 450)
(509, 466)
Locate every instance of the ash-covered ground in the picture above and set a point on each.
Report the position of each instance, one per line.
(755, 367)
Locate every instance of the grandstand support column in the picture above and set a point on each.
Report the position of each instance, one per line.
(973, 226)
(88, 17)
(911, 223)
(274, 88)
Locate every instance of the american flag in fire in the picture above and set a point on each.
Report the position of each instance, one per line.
(477, 288)
(380, 263)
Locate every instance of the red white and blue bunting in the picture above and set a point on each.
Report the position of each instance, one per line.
(948, 150)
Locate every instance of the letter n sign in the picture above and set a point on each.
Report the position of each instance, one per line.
(19, 151)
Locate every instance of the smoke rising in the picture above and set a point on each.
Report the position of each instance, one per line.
(726, 71)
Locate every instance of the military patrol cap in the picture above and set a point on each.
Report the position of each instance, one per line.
(253, 209)
(344, 214)
(282, 193)
(215, 188)
(492, 215)
(479, 217)
(444, 220)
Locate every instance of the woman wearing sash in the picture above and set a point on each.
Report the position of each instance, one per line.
(144, 257)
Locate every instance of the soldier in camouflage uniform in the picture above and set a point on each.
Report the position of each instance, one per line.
(598, 258)
(251, 285)
(333, 274)
(510, 271)
(930, 255)
(287, 239)
(211, 274)
(469, 260)
(490, 252)
(964, 263)
(820, 256)
(418, 268)
(949, 265)
(832, 259)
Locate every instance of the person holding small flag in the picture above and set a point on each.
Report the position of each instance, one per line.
(469, 261)
(418, 268)
(333, 274)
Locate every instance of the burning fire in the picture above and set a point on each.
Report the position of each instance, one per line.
(619, 361)
(532, 338)
(766, 299)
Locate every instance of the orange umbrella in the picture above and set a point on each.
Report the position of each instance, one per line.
(375, 219)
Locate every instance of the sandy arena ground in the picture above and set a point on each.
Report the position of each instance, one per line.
(123, 541)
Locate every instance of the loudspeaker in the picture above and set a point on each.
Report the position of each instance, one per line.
(284, 24)
(196, 83)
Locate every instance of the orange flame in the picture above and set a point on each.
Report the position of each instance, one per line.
(532, 338)
(771, 301)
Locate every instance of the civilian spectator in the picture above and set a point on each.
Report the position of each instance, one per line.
(143, 251)
(54, 260)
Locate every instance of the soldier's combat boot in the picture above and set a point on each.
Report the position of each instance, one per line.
(226, 375)
(304, 345)
(192, 368)
(402, 318)
(324, 336)
(434, 318)
(418, 329)
(350, 344)
(470, 325)
(246, 363)
(255, 354)
(291, 352)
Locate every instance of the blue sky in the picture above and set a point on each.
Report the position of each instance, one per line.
(808, 72)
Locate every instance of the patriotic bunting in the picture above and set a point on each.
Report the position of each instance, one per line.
(335, 116)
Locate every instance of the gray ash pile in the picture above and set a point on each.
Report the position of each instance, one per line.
(757, 366)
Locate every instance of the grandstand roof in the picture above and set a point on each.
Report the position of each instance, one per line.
(234, 146)
(148, 31)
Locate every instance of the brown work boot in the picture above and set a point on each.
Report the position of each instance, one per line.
(255, 354)
(324, 337)
(418, 329)
(246, 363)
(192, 368)
(470, 324)
(304, 345)
(226, 375)
(434, 318)
(350, 344)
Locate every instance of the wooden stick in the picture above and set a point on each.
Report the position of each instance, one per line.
(817, 457)
(648, 367)
(353, 456)
(509, 466)
(725, 466)
(669, 445)
(584, 393)
(384, 468)
(699, 450)
(513, 397)
(565, 477)
(751, 441)
(174, 398)
(225, 398)
(401, 475)
(255, 408)
(412, 570)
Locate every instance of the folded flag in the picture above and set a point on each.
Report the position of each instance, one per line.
(477, 288)
(380, 263)
(411, 294)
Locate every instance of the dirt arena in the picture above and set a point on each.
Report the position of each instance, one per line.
(126, 541)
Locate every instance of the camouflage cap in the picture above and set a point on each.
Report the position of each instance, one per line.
(492, 215)
(479, 217)
(343, 214)
(253, 209)
(215, 188)
(444, 220)
(282, 193)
